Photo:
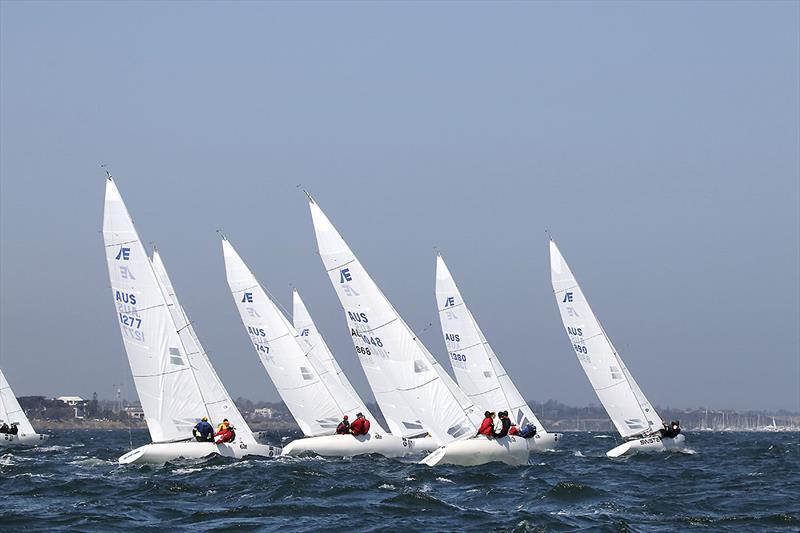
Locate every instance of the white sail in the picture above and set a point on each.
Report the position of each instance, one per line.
(630, 411)
(167, 388)
(477, 368)
(308, 331)
(411, 387)
(215, 397)
(10, 410)
(303, 323)
(302, 382)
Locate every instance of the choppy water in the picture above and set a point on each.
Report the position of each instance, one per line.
(733, 481)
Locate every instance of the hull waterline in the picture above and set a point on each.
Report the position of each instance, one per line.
(33, 439)
(159, 453)
(649, 445)
(349, 445)
(481, 450)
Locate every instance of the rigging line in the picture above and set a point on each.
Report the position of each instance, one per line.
(340, 266)
(119, 243)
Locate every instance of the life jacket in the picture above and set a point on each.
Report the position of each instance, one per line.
(360, 426)
(506, 425)
(487, 427)
(225, 436)
(513, 430)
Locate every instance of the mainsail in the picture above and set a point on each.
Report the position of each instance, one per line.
(476, 366)
(312, 393)
(164, 379)
(413, 391)
(629, 409)
(10, 410)
(215, 397)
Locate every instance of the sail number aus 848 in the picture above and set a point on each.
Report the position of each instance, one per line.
(375, 341)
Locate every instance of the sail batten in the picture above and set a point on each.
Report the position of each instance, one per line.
(626, 404)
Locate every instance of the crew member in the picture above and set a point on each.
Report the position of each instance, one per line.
(528, 431)
(344, 426)
(505, 425)
(4, 428)
(225, 432)
(203, 431)
(674, 429)
(360, 425)
(13, 430)
(513, 430)
(487, 426)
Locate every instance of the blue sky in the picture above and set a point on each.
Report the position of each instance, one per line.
(657, 141)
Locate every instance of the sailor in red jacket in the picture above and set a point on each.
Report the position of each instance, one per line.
(359, 426)
(487, 426)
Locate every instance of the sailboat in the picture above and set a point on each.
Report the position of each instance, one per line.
(477, 368)
(414, 392)
(174, 379)
(308, 380)
(632, 414)
(12, 413)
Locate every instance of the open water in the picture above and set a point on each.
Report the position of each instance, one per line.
(726, 482)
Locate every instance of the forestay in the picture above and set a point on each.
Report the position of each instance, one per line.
(411, 387)
(289, 361)
(622, 398)
(218, 402)
(328, 365)
(10, 410)
(167, 388)
(477, 368)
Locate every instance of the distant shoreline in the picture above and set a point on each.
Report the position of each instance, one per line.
(283, 426)
(46, 425)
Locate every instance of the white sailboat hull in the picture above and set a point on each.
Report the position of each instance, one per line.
(649, 444)
(31, 439)
(481, 450)
(159, 453)
(350, 445)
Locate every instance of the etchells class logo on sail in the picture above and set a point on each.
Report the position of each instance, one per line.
(344, 277)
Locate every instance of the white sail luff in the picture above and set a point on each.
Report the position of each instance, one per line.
(165, 384)
(628, 408)
(218, 403)
(10, 410)
(475, 365)
(412, 389)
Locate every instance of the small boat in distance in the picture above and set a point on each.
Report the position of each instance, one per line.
(630, 411)
(11, 413)
(174, 379)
